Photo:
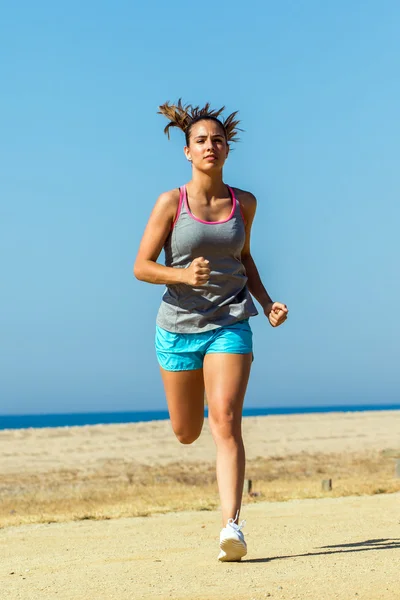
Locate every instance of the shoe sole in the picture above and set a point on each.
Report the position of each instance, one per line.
(234, 550)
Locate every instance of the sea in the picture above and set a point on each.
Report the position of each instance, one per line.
(102, 418)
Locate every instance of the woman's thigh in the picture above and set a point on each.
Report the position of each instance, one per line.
(226, 377)
(184, 391)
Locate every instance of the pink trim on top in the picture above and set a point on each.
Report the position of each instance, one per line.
(237, 202)
(234, 201)
(178, 212)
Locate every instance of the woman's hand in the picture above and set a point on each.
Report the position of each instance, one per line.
(276, 312)
(197, 273)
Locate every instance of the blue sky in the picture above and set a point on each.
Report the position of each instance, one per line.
(83, 158)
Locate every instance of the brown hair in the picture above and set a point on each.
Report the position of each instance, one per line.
(185, 116)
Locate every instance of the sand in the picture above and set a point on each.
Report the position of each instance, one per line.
(326, 548)
(338, 548)
(84, 448)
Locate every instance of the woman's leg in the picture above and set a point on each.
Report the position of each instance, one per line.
(226, 377)
(184, 391)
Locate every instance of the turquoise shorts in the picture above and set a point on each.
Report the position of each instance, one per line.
(186, 351)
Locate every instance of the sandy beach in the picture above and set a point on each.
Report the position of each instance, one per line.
(153, 443)
(125, 511)
(329, 549)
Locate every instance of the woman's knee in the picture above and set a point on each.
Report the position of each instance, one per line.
(185, 397)
(226, 425)
(186, 435)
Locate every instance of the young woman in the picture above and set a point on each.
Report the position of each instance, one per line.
(203, 336)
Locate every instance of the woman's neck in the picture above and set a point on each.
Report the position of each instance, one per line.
(210, 185)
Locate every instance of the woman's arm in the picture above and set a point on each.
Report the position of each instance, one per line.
(157, 229)
(146, 267)
(275, 311)
(248, 205)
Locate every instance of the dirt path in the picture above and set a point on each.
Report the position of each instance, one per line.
(336, 548)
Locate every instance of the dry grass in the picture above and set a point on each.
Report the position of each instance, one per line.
(122, 490)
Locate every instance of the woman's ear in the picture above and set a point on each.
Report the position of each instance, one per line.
(187, 153)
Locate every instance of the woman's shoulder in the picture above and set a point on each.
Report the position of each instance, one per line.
(248, 203)
(245, 197)
(168, 201)
(169, 198)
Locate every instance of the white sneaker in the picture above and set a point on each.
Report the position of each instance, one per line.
(232, 543)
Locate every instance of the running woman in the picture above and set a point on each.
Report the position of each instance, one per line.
(203, 336)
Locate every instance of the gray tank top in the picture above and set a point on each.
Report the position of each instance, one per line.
(225, 299)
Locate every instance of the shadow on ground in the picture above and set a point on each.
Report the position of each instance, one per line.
(365, 546)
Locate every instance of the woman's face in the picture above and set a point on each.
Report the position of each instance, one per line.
(208, 148)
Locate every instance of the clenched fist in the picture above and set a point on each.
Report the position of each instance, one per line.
(197, 273)
(276, 313)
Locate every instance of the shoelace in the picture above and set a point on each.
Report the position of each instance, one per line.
(239, 525)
